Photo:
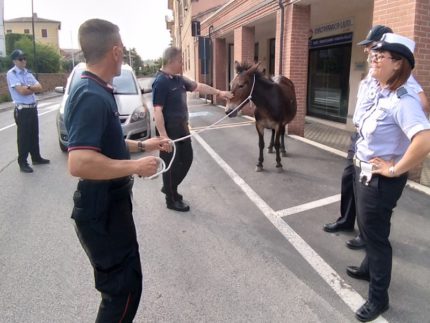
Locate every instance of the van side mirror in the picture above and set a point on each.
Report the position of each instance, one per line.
(148, 90)
(59, 89)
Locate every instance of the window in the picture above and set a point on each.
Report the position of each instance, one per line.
(328, 77)
(272, 44)
(189, 54)
(26, 31)
(9, 31)
(44, 33)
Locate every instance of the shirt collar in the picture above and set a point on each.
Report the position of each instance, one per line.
(20, 70)
(88, 75)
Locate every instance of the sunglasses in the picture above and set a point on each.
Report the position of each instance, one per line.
(22, 59)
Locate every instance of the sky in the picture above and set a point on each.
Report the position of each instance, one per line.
(141, 22)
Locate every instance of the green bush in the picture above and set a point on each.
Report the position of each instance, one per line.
(5, 98)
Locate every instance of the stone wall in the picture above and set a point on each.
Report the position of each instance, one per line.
(48, 80)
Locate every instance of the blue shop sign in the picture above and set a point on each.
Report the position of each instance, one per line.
(330, 41)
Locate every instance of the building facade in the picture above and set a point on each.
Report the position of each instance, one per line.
(45, 30)
(313, 42)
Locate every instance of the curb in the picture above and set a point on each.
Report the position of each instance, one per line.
(7, 106)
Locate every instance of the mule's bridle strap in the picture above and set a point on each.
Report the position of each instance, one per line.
(249, 98)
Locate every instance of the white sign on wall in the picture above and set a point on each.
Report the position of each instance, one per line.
(333, 28)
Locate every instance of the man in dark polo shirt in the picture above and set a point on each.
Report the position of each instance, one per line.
(100, 157)
(171, 118)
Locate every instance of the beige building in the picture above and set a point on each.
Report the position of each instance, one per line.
(45, 30)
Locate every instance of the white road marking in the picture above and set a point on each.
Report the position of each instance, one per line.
(309, 206)
(198, 114)
(331, 277)
(321, 146)
(225, 125)
(53, 108)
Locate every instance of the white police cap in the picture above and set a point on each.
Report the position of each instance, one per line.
(397, 44)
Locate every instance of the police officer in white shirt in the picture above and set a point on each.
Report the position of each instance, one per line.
(394, 136)
(365, 97)
(22, 87)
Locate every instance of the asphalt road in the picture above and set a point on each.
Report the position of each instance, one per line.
(250, 250)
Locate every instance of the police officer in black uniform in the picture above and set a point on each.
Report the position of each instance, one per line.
(99, 155)
(171, 118)
(22, 87)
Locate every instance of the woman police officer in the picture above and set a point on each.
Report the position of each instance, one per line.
(394, 137)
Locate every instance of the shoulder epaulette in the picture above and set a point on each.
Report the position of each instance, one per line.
(401, 91)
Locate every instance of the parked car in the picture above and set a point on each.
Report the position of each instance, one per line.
(133, 111)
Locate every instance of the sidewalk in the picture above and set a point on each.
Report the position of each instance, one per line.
(340, 140)
(6, 106)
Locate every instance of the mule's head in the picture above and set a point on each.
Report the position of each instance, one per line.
(241, 85)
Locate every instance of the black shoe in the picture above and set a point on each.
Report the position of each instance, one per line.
(25, 168)
(370, 311)
(180, 206)
(336, 226)
(40, 161)
(355, 272)
(356, 243)
(176, 195)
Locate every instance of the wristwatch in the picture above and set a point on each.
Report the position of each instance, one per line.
(141, 146)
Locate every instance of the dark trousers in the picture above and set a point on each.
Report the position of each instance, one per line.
(347, 195)
(27, 123)
(105, 228)
(375, 204)
(182, 162)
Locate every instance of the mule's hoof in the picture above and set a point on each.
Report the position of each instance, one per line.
(259, 168)
(284, 154)
(270, 150)
(279, 169)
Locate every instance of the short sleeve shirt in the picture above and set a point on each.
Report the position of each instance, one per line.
(387, 128)
(20, 77)
(92, 119)
(367, 92)
(170, 92)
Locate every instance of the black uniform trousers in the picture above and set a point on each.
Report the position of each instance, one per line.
(105, 228)
(375, 204)
(347, 195)
(27, 123)
(183, 158)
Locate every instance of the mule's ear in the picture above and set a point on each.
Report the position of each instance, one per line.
(236, 66)
(254, 68)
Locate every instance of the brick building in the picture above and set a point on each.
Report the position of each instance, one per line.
(313, 42)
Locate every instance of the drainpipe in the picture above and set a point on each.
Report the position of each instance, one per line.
(281, 42)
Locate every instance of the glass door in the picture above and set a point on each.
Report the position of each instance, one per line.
(328, 88)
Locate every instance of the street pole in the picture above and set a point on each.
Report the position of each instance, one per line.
(73, 51)
(34, 39)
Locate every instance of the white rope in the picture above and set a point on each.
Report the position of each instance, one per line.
(162, 165)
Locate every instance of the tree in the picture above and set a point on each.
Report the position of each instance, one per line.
(47, 58)
(150, 67)
(132, 58)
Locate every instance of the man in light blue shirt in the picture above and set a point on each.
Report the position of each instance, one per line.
(22, 88)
